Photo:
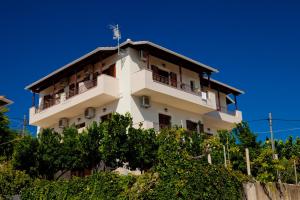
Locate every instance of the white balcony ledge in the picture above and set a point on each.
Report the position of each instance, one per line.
(143, 84)
(106, 90)
(223, 120)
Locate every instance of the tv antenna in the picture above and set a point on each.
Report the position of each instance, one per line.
(116, 35)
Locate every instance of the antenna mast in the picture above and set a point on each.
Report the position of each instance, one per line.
(116, 35)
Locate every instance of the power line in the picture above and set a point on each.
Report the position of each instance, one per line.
(280, 130)
(256, 120)
(287, 120)
(275, 119)
(11, 141)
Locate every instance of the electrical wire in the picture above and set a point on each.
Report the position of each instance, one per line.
(286, 120)
(10, 141)
(279, 130)
(256, 120)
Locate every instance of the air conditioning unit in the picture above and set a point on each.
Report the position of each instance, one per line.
(89, 113)
(145, 101)
(144, 55)
(63, 122)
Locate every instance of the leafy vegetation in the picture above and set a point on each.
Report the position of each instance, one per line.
(178, 175)
(6, 135)
(173, 162)
(12, 181)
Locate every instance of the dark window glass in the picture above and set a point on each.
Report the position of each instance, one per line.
(164, 121)
(105, 117)
(81, 125)
(191, 126)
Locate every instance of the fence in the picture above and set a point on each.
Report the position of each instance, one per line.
(285, 171)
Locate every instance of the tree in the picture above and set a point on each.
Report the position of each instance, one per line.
(177, 147)
(71, 156)
(265, 166)
(7, 136)
(246, 138)
(25, 156)
(90, 143)
(49, 153)
(113, 146)
(142, 148)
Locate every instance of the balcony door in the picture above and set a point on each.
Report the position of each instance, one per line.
(164, 121)
(173, 79)
(111, 70)
(160, 75)
(191, 126)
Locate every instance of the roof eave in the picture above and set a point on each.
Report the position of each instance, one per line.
(127, 42)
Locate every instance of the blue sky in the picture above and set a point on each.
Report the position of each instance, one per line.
(254, 44)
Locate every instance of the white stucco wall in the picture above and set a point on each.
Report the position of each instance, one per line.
(127, 64)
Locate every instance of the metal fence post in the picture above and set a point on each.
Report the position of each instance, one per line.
(209, 158)
(248, 162)
(225, 161)
(296, 176)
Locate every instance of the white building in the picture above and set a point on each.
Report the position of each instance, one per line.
(4, 102)
(157, 86)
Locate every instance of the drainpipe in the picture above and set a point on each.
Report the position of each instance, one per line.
(208, 78)
(235, 102)
(219, 101)
(33, 98)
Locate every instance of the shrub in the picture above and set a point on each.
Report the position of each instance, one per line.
(104, 185)
(12, 181)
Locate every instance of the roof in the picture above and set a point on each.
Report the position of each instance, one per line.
(229, 100)
(103, 52)
(227, 89)
(4, 101)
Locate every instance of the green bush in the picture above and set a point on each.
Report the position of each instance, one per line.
(178, 174)
(197, 182)
(12, 181)
(104, 185)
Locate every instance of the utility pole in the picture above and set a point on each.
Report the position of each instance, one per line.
(295, 169)
(227, 144)
(275, 156)
(271, 132)
(24, 125)
(224, 151)
(248, 161)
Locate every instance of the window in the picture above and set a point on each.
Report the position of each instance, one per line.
(173, 79)
(164, 121)
(160, 75)
(191, 126)
(192, 86)
(201, 127)
(105, 117)
(81, 125)
(111, 70)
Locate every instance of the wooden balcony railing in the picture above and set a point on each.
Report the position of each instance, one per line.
(59, 97)
(179, 85)
(83, 87)
(224, 109)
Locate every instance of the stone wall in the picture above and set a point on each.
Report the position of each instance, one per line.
(271, 191)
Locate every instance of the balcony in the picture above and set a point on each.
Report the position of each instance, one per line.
(89, 94)
(179, 95)
(223, 118)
